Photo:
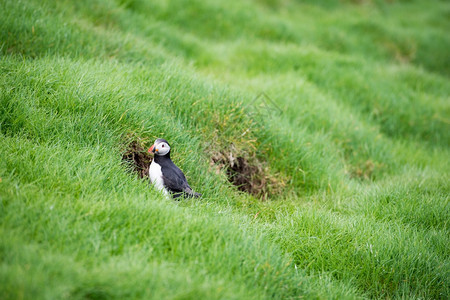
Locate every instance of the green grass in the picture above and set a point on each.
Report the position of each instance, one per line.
(360, 149)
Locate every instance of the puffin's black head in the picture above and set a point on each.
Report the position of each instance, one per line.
(160, 147)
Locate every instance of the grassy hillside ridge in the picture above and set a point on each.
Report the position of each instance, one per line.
(359, 148)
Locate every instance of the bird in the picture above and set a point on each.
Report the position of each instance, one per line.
(165, 175)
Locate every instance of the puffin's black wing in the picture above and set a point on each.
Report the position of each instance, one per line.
(176, 183)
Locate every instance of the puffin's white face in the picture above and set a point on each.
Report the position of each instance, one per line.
(160, 147)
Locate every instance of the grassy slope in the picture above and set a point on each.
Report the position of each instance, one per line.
(362, 144)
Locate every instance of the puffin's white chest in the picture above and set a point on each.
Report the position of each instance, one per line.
(156, 178)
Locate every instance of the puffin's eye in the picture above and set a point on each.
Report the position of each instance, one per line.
(162, 146)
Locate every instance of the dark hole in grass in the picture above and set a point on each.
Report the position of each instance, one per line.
(137, 158)
(249, 175)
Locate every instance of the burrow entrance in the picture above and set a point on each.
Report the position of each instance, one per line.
(137, 158)
(249, 175)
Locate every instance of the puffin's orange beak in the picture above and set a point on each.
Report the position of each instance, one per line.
(152, 149)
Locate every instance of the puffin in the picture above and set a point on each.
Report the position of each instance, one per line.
(165, 175)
